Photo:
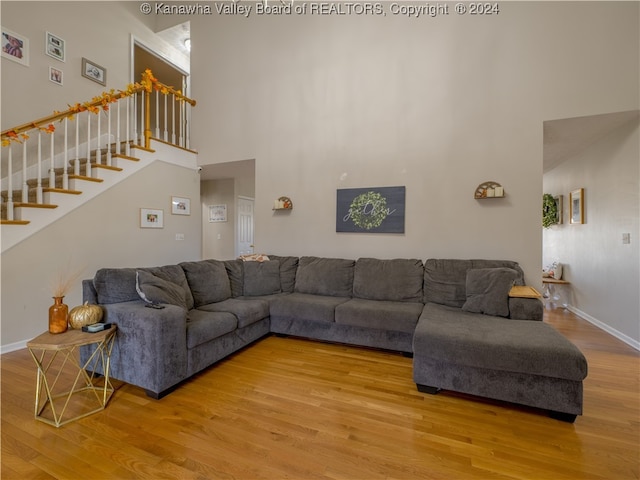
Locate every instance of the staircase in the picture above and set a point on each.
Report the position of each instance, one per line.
(74, 187)
(80, 155)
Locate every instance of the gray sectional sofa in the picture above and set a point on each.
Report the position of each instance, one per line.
(453, 316)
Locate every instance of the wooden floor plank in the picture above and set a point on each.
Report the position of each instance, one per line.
(300, 409)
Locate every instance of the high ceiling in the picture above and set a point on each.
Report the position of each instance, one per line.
(567, 137)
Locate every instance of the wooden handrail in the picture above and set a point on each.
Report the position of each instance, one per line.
(149, 83)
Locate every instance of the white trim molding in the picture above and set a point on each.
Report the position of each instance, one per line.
(603, 326)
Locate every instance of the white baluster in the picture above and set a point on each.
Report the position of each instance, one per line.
(76, 166)
(142, 115)
(39, 179)
(157, 114)
(52, 169)
(127, 145)
(166, 133)
(10, 185)
(25, 187)
(173, 119)
(135, 118)
(98, 149)
(187, 127)
(181, 124)
(65, 173)
(109, 161)
(118, 129)
(88, 164)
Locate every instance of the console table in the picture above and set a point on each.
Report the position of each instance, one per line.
(551, 294)
(54, 355)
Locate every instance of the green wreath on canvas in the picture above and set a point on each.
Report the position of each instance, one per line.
(549, 210)
(368, 210)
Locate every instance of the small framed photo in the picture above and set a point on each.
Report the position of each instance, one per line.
(94, 72)
(55, 75)
(180, 206)
(151, 218)
(576, 206)
(15, 47)
(54, 46)
(217, 213)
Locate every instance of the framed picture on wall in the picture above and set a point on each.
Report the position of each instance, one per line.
(54, 46)
(151, 218)
(55, 75)
(217, 213)
(576, 206)
(15, 47)
(180, 206)
(94, 72)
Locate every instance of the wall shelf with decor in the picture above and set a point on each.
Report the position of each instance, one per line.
(489, 190)
(283, 203)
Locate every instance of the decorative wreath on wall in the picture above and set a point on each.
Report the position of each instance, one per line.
(368, 210)
(549, 210)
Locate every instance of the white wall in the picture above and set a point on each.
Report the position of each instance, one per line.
(438, 105)
(604, 273)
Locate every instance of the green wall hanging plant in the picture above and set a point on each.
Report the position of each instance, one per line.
(549, 211)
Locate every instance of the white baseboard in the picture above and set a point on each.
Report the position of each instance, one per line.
(603, 326)
(12, 347)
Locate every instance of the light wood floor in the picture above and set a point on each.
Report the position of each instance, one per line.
(297, 409)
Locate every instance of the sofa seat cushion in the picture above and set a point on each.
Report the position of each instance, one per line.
(205, 326)
(397, 280)
(325, 276)
(247, 311)
(381, 315)
(454, 336)
(303, 306)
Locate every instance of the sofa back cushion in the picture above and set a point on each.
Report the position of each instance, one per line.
(235, 272)
(398, 280)
(208, 281)
(262, 278)
(288, 269)
(445, 279)
(115, 285)
(325, 276)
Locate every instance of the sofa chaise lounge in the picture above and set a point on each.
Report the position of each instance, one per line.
(454, 317)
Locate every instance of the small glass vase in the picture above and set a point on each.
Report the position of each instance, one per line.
(58, 313)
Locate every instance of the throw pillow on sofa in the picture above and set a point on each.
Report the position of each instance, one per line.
(153, 289)
(488, 290)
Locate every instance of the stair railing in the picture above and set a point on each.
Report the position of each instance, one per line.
(99, 134)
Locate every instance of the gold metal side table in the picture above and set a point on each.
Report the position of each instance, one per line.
(54, 354)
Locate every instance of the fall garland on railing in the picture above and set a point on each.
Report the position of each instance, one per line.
(149, 83)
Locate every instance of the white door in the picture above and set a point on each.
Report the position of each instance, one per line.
(244, 239)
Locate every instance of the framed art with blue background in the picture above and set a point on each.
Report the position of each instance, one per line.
(370, 210)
